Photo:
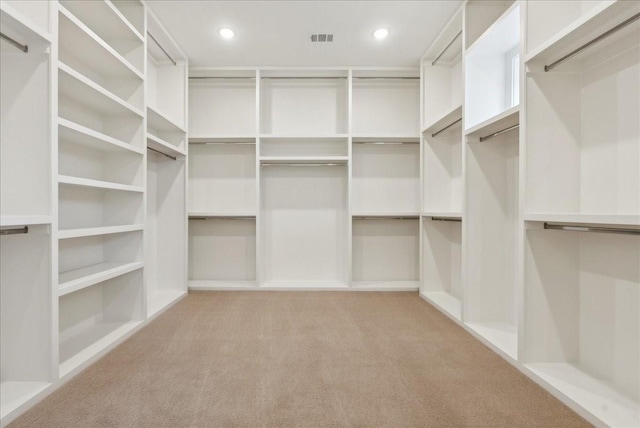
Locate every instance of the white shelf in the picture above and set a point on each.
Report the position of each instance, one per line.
(83, 90)
(104, 18)
(15, 394)
(443, 214)
(385, 215)
(231, 138)
(502, 336)
(496, 123)
(25, 220)
(163, 146)
(76, 36)
(495, 26)
(159, 121)
(91, 343)
(386, 138)
(304, 159)
(205, 285)
(386, 285)
(611, 219)
(14, 24)
(81, 278)
(303, 136)
(587, 27)
(97, 184)
(570, 382)
(161, 300)
(97, 231)
(210, 214)
(444, 121)
(445, 302)
(76, 133)
(304, 285)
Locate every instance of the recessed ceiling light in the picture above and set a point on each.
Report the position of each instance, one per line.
(226, 33)
(381, 33)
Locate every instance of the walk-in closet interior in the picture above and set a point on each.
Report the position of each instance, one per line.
(498, 177)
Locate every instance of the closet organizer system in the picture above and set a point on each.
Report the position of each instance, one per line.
(484, 178)
(93, 210)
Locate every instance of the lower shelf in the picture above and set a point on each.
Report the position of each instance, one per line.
(15, 394)
(386, 285)
(445, 302)
(80, 348)
(501, 335)
(203, 284)
(594, 395)
(159, 300)
(80, 278)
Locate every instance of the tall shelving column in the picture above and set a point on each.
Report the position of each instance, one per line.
(165, 272)
(222, 179)
(492, 228)
(443, 165)
(27, 192)
(101, 179)
(582, 158)
(385, 181)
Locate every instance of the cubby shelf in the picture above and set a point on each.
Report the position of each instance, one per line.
(158, 120)
(75, 86)
(78, 134)
(97, 184)
(600, 18)
(496, 123)
(83, 347)
(78, 279)
(502, 336)
(163, 146)
(445, 302)
(15, 394)
(102, 57)
(96, 231)
(449, 118)
(569, 381)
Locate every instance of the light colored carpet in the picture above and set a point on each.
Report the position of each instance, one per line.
(301, 359)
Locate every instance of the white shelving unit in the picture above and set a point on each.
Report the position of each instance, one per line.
(166, 220)
(101, 116)
(27, 189)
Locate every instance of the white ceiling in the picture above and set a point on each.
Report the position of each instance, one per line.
(277, 33)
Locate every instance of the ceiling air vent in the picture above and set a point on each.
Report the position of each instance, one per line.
(321, 38)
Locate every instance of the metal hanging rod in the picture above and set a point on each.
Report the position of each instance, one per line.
(457, 220)
(592, 42)
(495, 134)
(214, 143)
(163, 154)
(446, 47)
(162, 49)
(386, 78)
(222, 218)
(23, 48)
(445, 128)
(386, 143)
(577, 228)
(221, 77)
(14, 231)
(386, 218)
(303, 77)
(301, 164)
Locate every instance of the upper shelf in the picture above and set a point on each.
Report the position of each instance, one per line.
(104, 18)
(20, 28)
(304, 159)
(588, 27)
(233, 138)
(453, 117)
(503, 121)
(157, 120)
(596, 219)
(386, 138)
